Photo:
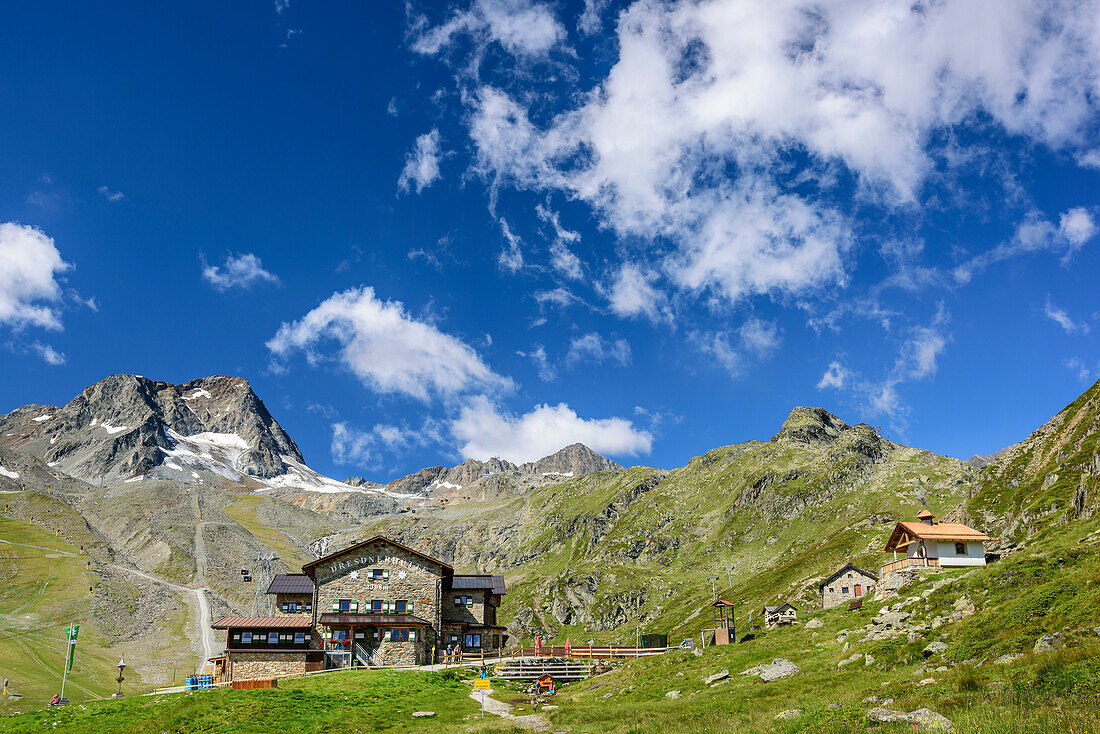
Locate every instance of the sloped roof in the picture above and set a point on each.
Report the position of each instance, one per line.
(842, 569)
(291, 583)
(307, 568)
(778, 608)
(462, 582)
(294, 621)
(938, 531)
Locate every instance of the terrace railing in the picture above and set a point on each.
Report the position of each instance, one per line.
(903, 563)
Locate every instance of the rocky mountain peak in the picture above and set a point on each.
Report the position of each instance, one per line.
(128, 425)
(811, 426)
(573, 460)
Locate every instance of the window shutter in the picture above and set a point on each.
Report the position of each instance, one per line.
(386, 636)
(336, 605)
(412, 635)
(385, 575)
(355, 606)
(409, 607)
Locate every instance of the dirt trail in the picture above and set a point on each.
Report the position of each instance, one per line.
(202, 634)
(206, 635)
(535, 722)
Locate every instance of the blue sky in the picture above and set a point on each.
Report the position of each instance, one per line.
(425, 231)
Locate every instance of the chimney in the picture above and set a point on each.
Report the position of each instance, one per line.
(926, 517)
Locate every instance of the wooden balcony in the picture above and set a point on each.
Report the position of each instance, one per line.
(903, 563)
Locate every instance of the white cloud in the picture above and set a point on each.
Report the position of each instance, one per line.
(760, 337)
(917, 359)
(48, 354)
(688, 145)
(281, 6)
(29, 266)
(484, 432)
(836, 376)
(242, 270)
(386, 348)
(1077, 226)
(590, 21)
(1081, 368)
(1063, 319)
(422, 163)
(546, 371)
(632, 293)
(562, 258)
(1036, 234)
(109, 195)
(523, 27)
(351, 445)
(731, 351)
(592, 347)
(510, 258)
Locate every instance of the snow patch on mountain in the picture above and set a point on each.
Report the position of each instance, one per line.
(9, 474)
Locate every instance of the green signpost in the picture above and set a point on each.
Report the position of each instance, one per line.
(70, 652)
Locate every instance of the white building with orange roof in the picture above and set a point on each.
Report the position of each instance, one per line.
(930, 544)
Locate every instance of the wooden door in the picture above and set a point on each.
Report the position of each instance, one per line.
(859, 591)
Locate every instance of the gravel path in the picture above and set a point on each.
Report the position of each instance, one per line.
(535, 722)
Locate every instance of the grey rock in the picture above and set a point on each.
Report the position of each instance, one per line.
(934, 648)
(717, 676)
(697, 652)
(1007, 659)
(672, 694)
(868, 660)
(423, 714)
(815, 624)
(849, 660)
(1050, 643)
(777, 669)
(788, 714)
(922, 719)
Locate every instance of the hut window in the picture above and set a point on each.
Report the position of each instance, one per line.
(345, 605)
(400, 607)
(830, 590)
(843, 589)
(399, 634)
(473, 640)
(464, 601)
(273, 638)
(246, 638)
(376, 606)
(379, 574)
(960, 549)
(299, 638)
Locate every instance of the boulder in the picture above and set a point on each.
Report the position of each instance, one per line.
(1007, 659)
(1050, 643)
(934, 648)
(921, 719)
(929, 720)
(814, 624)
(868, 660)
(697, 652)
(672, 694)
(423, 714)
(717, 676)
(788, 714)
(849, 660)
(926, 682)
(779, 668)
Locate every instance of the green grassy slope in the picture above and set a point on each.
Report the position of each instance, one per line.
(596, 556)
(359, 702)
